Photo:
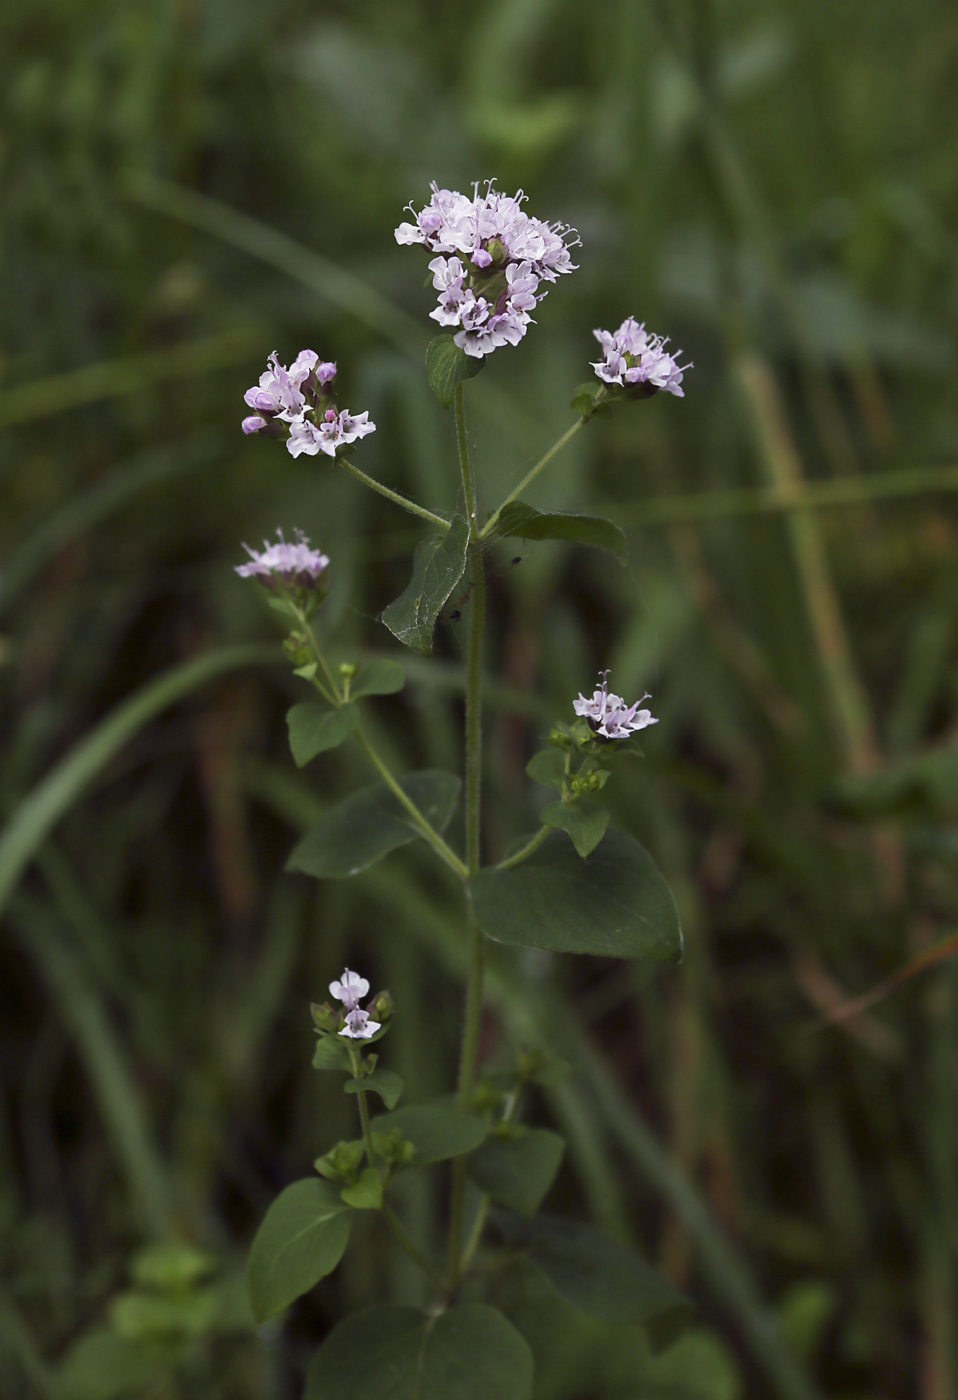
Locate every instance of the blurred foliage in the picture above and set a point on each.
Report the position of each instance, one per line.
(775, 187)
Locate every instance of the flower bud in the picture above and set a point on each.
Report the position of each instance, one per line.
(297, 649)
(559, 740)
(381, 1006)
(347, 670)
(496, 251)
(341, 1161)
(324, 1017)
(392, 1147)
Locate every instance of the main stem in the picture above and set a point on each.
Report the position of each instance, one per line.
(476, 947)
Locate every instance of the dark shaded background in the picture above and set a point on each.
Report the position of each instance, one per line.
(773, 185)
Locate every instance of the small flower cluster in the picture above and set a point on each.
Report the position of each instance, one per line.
(289, 396)
(508, 254)
(296, 565)
(609, 715)
(631, 357)
(350, 989)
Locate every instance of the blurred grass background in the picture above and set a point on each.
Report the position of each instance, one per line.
(187, 184)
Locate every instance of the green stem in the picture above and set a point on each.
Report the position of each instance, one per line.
(336, 698)
(405, 1243)
(544, 461)
(526, 851)
(475, 940)
(394, 496)
(423, 826)
(479, 1224)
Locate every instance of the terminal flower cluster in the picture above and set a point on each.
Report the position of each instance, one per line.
(632, 356)
(609, 715)
(289, 396)
(493, 259)
(350, 989)
(294, 564)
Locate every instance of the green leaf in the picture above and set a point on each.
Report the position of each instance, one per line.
(438, 565)
(367, 826)
(547, 767)
(301, 1239)
(366, 1193)
(383, 1082)
(313, 728)
(447, 366)
(599, 1275)
(523, 520)
(171, 1266)
(614, 903)
(381, 676)
(436, 1130)
(585, 822)
(394, 1353)
(103, 1366)
(156, 1317)
(331, 1053)
(518, 1170)
(589, 399)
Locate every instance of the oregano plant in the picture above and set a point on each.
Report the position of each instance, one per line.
(576, 885)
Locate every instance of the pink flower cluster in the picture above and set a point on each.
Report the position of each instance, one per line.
(295, 564)
(289, 396)
(349, 990)
(609, 715)
(493, 259)
(632, 356)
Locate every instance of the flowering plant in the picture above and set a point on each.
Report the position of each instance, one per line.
(573, 886)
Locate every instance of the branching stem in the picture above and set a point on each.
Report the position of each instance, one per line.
(525, 851)
(394, 496)
(531, 475)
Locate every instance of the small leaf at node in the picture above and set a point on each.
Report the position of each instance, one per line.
(613, 903)
(301, 1239)
(585, 822)
(367, 1193)
(447, 366)
(384, 1082)
(331, 1053)
(468, 1352)
(547, 767)
(436, 1130)
(313, 728)
(356, 833)
(517, 1171)
(438, 565)
(599, 1275)
(523, 520)
(381, 676)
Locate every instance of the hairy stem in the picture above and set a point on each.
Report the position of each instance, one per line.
(525, 851)
(531, 475)
(476, 945)
(394, 496)
(356, 1063)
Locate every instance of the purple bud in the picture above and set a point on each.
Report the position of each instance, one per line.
(253, 424)
(481, 258)
(325, 372)
(330, 415)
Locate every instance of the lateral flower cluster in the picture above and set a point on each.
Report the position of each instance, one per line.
(295, 564)
(290, 396)
(493, 260)
(631, 356)
(608, 714)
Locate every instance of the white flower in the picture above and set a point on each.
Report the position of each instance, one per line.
(293, 563)
(278, 389)
(291, 395)
(350, 989)
(508, 254)
(632, 356)
(609, 715)
(351, 428)
(358, 1025)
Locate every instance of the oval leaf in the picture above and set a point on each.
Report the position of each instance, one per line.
(517, 1171)
(301, 1239)
(599, 1275)
(447, 366)
(383, 1082)
(313, 728)
(547, 767)
(465, 1353)
(585, 822)
(367, 826)
(614, 903)
(518, 518)
(436, 1130)
(381, 676)
(438, 565)
(366, 1193)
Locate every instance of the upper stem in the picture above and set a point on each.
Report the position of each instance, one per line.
(525, 851)
(394, 496)
(543, 461)
(423, 825)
